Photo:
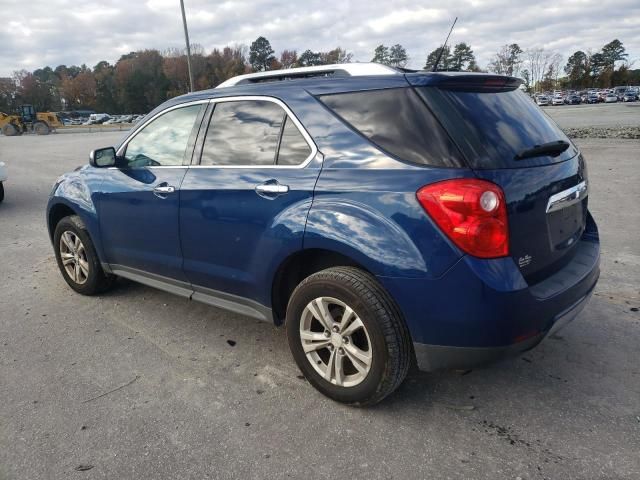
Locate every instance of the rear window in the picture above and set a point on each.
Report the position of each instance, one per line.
(398, 122)
(491, 128)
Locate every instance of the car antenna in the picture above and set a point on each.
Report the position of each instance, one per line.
(435, 65)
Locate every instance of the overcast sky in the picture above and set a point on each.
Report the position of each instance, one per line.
(37, 33)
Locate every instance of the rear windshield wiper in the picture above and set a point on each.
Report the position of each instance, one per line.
(552, 149)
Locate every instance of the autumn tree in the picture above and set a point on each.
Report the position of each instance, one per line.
(288, 58)
(507, 60)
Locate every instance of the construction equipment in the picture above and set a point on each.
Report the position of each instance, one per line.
(26, 119)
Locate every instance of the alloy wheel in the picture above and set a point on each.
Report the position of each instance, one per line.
(74, 257)
(336, 341)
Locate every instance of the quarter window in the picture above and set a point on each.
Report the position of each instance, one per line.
(294, 149)
(163, 142)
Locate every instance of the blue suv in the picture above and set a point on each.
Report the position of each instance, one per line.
(384, 217)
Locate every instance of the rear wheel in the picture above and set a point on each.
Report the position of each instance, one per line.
(347, 336)
(10, 130)
(41, 128)
(1, 192)
(77, 258)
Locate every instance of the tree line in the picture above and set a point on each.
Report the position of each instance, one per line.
(140, 80)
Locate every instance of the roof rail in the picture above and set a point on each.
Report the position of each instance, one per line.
(336, 70)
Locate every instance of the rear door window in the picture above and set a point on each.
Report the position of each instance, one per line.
(397, 121)
(492, 128)
(243, 132)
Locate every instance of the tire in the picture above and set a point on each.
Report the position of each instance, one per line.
(1, 192)
(10, 130)
(382, 341)
(88, 278)
(41, 128)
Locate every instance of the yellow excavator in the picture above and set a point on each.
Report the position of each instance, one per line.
(26, 120)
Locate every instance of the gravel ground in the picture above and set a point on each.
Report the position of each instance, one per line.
(141, 384)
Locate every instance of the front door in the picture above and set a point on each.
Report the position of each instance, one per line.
(243, 209)
(139, 203)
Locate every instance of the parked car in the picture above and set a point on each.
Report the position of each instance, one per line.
(573, 100)
(542, 100)
(611, 98)
(3, 178)
(630, 96)
(376, 239)
(593, 98)
(557, 100)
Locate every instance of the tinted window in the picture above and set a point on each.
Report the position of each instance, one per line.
(493, 127)
(397, 121)
(245, 132)
(294, 149)
(164, 140)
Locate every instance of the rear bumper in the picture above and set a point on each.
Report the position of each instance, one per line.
(483, 310)
(437, 357)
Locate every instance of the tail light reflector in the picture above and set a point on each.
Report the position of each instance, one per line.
(471, 212)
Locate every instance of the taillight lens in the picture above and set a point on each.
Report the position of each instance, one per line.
(471, 212)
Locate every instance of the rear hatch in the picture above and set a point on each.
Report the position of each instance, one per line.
(508, 140)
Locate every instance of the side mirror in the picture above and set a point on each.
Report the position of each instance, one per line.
(103, 157)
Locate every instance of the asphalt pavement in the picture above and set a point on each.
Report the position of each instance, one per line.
(141, 384)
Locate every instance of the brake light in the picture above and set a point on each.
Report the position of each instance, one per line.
(471, 212)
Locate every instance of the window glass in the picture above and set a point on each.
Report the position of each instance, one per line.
(399, 122)
(294, 149)
(164, 141)
(496, 125)
(243, 132)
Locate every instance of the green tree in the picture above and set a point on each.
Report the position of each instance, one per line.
(445, 59)
(462, 58)
(577, 69)
(398, 56)
(381, 55)
(309, 59)
(261, 54)
(613, 52)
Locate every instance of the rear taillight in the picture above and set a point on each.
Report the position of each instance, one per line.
(471, 212)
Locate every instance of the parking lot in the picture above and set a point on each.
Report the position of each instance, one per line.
(597, 115)
(142, 384)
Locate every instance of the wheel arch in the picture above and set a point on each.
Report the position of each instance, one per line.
(298, 266)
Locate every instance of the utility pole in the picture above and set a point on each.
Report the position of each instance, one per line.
(186, 38)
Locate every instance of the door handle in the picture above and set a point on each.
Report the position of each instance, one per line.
(162, 190)
(272, 189)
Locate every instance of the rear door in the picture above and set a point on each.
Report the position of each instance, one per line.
(498, 131)
(244, 207)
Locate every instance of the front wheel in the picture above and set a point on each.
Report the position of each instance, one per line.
(41, 128)
(1, 192)
(77, 258)
(347, 336)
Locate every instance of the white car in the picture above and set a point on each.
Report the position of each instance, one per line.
(3, 178)
(611, 98)
(557, 100)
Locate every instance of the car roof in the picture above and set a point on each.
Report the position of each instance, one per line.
(319, 85)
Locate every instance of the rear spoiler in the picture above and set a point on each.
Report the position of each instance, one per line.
(464, 81)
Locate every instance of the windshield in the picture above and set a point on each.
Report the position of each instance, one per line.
(493, 128)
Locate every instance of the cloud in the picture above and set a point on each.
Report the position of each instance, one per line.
(54, 32)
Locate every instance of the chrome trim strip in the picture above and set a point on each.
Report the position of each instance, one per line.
(290, 114)
(277, 101)
(351, 69)
(567, 197)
